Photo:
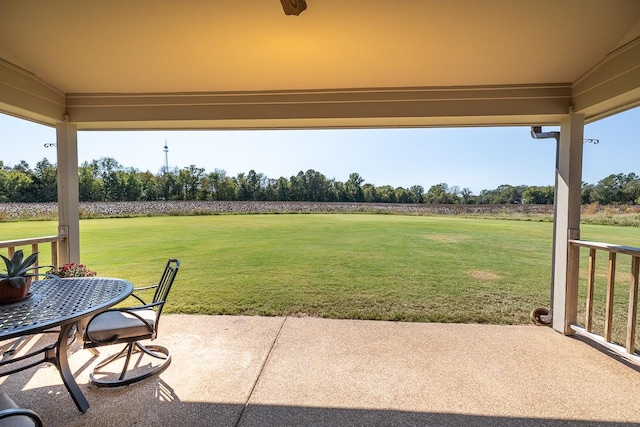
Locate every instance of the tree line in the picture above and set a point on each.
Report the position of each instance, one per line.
(105, 180)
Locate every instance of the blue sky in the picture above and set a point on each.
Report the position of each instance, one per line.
(477, 158)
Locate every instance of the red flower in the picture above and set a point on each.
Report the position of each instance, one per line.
(72, 270)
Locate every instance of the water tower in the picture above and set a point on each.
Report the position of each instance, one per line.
(166, 157)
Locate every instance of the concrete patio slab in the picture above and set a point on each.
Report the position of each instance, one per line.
(215, 363)
(266, 371)
(385, 373)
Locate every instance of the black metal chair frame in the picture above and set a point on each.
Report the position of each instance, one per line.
(12, 410)
(17, 412)
(133, 344)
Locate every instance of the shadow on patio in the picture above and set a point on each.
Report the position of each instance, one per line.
(256, 371)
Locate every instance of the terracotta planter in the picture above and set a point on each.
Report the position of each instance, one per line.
(9, 293)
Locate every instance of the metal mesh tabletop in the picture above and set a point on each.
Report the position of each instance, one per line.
(55, 302)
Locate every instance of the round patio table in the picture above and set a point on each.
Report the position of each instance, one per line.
(61, 302)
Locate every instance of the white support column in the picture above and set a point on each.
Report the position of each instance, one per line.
(68, 192)
(567, 222)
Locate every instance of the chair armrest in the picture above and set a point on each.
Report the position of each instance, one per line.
(137, 297)
(142, 288)
(21, 412)
(137, 307)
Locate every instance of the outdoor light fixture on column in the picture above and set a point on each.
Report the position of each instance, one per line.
(293, 7)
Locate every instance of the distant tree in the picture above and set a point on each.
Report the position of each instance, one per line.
(585, 194)
(333, 189)
(440, 194)
(538, 195)
(370, 193)
(353, 188)
(4, 194)
(45, 182)
(149, 186)
(256, 183)
(403, 196)
(242, 188)
(417, 193)
(168, 186)
(106, 180)
(466, 195)
(215, 186)
(282, 190)
(188, 180)
(504, 194)
(631, 189)
(133, 185)
(226, 188)
(508, 194)
(89, 182)
(616, 189)
(22, 167)
(107, 168)
(340, 191)
(120, 186)
(297, 187)
(15, 186)
(386, 194)
(316, 186)
(270, 189)
(609, 190)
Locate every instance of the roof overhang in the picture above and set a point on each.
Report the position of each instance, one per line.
(490, 65)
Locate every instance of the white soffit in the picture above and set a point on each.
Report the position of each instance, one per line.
(99, 52)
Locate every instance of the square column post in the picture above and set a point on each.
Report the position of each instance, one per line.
(567, 222)
(68, 191)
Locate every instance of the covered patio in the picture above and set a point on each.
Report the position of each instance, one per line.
(257, 371)
(360, 64)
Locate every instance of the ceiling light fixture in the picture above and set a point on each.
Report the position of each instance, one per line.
(293, 7)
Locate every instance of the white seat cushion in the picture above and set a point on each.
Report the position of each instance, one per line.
(105, 326)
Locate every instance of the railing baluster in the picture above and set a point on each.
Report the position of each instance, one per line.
(54, 254)
(591, 278)
(611, 282)
(633, 305)
(34, 249)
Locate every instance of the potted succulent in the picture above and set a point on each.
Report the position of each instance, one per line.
(15, 282)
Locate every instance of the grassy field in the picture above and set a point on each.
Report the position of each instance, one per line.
(391, 267)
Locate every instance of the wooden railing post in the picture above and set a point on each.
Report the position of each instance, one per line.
(633, 305)
(68, 197)
(573, 278)
(566, 221)
(64, 250)
(591, 278)
(611, 283)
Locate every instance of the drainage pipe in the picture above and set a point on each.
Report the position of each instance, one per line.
(541, 315)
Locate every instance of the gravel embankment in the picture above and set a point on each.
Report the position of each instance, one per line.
(12, 211)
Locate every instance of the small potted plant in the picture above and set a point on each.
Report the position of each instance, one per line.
(15, 283)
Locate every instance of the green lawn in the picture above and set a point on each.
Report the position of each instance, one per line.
(392, 267)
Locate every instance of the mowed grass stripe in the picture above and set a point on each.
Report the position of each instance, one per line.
(361, 266)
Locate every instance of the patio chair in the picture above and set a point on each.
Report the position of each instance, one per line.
(130, 325)
(13, 416)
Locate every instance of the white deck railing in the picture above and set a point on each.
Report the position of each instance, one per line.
(57, 242)
(628, 350)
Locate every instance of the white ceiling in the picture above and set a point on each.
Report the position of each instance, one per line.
(228, 46)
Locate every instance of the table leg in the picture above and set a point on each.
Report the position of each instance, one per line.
(65, 371)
